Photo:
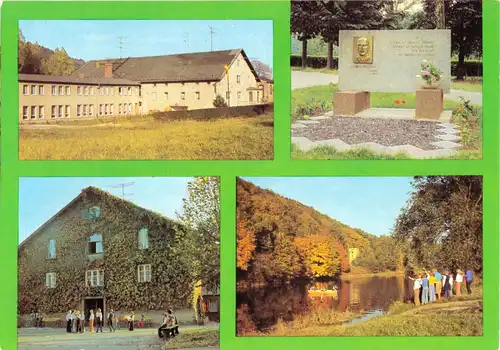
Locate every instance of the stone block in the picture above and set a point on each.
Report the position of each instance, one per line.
(348, 103)
(429, 104)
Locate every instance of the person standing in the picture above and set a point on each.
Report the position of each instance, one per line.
(77, 320)
(82, 322)
(73, 321)
(91, 321)
(432, 286)
(98, 320)
(439, 283)
(131, 321)
(417, 283)
(141, 322)
(458, 282)
(68, 321)
(468, 281)
(111, 320)
(447, 284)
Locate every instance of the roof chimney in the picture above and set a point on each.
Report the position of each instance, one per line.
(108, 70)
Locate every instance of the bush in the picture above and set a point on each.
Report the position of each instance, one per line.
(473, 68)
(219, 101)
(312, 107)
(469, 119)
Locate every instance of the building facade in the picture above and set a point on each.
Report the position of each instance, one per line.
(103, 251)
(141, 85)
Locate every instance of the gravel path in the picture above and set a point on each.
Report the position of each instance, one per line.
(387, 132)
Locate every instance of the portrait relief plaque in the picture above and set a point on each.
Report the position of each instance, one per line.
(363, 50)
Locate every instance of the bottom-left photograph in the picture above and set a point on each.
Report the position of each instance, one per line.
(134, 259)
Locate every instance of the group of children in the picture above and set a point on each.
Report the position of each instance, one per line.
(169, 321)
(430, 286)
(75, 321)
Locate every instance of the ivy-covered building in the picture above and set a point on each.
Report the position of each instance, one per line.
(103, 251)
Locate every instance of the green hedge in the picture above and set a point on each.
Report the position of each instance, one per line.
(473, 68)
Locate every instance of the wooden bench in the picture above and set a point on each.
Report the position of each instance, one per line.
(170, 331)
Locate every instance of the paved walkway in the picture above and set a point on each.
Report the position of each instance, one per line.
(307, 79)
(58, 339)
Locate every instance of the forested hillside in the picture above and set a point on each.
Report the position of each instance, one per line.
(36, 59)
(281, 239)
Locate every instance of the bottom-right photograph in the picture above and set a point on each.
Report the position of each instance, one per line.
(359, 256)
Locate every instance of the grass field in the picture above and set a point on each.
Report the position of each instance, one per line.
(321, 93)
(148, 138)
(473, 84)
(448, 317)
(195, 338)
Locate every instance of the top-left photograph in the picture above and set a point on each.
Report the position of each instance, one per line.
(146, 89)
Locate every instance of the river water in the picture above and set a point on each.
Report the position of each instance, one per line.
(371, 296)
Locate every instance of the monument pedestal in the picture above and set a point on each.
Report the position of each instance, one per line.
(348, 103)
(429, 104)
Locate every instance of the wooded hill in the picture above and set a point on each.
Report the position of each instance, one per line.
(34, 58)
(281, 239)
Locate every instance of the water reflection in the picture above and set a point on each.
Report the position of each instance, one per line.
(261, 308)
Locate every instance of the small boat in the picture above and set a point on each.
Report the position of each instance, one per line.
(332, 292)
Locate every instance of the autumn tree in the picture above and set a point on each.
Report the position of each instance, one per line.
(201, 213)
(442, 221)
(245, 246)
(319, 255)
(58, 64)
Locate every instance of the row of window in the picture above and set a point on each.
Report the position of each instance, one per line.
(95, 278)
(59, 90)
(94, 243)
(64, 111)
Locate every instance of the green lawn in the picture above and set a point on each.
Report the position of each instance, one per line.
(473, 84)
(195, 338)
(322, 93)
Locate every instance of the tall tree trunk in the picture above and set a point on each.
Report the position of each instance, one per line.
(440, 18)
(329, 58)
(304, 53)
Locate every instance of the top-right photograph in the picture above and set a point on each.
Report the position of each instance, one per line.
(398, 79)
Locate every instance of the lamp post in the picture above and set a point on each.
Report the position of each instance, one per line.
(226, 67)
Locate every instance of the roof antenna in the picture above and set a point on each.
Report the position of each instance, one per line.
(122, 186)
(213, 31)
(121, 40)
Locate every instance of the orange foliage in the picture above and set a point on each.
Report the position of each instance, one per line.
(245, 246)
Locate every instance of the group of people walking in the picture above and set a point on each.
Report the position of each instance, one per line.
(75, 321)
(431, 286)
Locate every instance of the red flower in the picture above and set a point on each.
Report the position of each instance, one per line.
(397, 102)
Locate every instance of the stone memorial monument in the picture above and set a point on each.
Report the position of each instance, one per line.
(389, 61)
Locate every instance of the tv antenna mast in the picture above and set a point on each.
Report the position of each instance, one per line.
(122, 186)
(121, 42)
(213, 31)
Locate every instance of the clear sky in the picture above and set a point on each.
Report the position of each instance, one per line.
(89, 40)
(41, 198)
(369, 203)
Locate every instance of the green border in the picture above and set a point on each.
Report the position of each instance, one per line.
(279, 12)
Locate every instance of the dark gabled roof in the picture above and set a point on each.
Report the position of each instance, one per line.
(39, 78)
(187, 67)
(95, 191)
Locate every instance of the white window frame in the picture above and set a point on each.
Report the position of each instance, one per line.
(101, 109)
(60, 111)
(112, 90)
(183, 95)
(107, 90)
(26, 90)
(197, 95)
(68, 90)
(86, 91)
(238, 79)
(111, 109)
(94, 278)
(79, 90)
(41, 112)
(33, 109)
(53, 111)
(129, 90)
(166, 96)
(130, 108)
(96, 242)
(26, 112)
(91, 91)
(33, 89)
(50, 279)
(61, 90)
(144, 273)
(91, 110)
(67, 111)
(41, 90)
(106, 109)
(53, 90)
(84, 110)
(101, 91)
(78, 110)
